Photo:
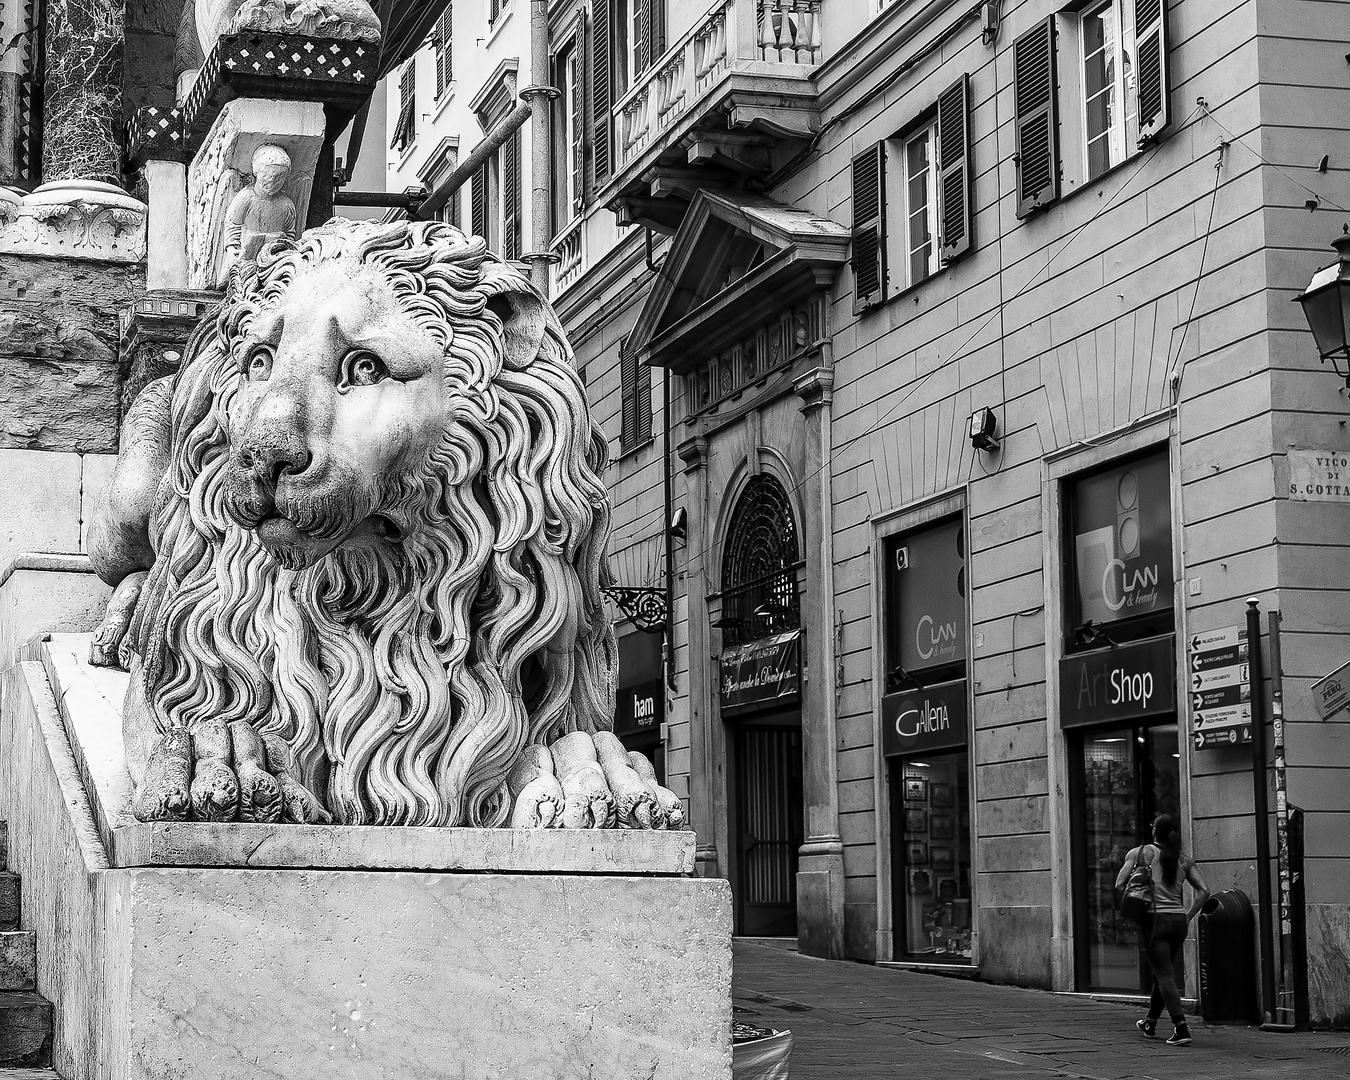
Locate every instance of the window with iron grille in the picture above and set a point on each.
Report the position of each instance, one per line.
(405, 127)
(759, 575)
(443, 39)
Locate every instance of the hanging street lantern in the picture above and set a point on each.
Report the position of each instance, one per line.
(1326, 306)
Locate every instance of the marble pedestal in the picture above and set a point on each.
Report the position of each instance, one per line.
(347, 954)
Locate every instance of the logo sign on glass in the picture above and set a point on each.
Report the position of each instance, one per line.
(1122, 543)
(926, 601)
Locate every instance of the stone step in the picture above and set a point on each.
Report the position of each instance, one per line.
(18, 959)
(9, 900)
(25, 1029)
(29, 1074)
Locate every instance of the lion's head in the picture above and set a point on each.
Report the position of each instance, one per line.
(382, 531)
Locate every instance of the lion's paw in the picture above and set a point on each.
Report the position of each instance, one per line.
(107, 647)
(605, 786)
(224, 773)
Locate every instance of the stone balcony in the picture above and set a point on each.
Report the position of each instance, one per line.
(730, 102)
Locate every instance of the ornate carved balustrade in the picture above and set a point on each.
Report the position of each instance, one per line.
(570, 248)
(764, 38)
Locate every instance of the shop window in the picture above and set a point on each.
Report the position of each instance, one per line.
(925, 737)
(1121, 778)
(930, 828)
(1119, 555)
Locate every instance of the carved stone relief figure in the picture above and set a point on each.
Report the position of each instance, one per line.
(260, 213)
(358, 543)
(342, 19)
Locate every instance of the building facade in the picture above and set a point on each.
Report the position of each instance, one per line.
(948, 348)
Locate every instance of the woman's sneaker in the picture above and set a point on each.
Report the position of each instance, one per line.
(1147, 1027)
(1180, 1037)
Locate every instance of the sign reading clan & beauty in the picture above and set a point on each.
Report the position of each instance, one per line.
(762, 673)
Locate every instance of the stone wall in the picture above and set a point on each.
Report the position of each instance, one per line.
(58, 351)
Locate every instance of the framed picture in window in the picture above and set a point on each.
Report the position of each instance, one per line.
(942, 860)
(916, 789)
(916, 853)
(946, 888)
(917, 821)
(941, 828)
(920, 882)
(942, 795)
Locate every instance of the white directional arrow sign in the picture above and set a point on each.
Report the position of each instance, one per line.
(1224, 676)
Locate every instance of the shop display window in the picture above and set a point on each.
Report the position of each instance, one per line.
(931, 876)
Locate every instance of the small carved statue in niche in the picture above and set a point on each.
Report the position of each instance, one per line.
(261, 213)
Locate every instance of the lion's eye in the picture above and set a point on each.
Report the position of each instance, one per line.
(364, 369)
(259, 367)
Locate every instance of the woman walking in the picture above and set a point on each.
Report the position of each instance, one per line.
(1162, 932)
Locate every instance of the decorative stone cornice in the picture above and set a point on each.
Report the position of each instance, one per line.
(815, 388)
(73, 219)
(694, 453)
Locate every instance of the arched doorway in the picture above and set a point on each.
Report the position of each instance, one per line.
(761, 706)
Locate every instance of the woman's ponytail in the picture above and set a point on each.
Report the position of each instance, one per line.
(1168, 839)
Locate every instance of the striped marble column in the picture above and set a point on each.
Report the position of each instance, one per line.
(83, 90)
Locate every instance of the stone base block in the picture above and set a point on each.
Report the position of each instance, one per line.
(326, 971)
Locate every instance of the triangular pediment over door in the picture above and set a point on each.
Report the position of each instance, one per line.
(736, 262)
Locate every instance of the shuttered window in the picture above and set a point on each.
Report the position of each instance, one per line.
(602, 93)
(1037, 135)
(511, 197)
(636, 384)
(869, 228)
(405, 129)
(478, 203)
(953, 187)
(1151, 81)
(649, 33)
(443, 39)
(577, 65)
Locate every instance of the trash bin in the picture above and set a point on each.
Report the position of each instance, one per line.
(1227, 940)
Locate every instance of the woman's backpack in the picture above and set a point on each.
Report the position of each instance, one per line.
(1138, 899)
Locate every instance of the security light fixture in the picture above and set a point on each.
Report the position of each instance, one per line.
(679, 525)
(982, 425)
(1326, 306)
(1092, 634)
(990, 16)
(900, 679)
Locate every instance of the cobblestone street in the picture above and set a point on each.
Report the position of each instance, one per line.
(865, 1022)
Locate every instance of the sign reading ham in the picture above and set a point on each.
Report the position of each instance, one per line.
(762, 674)
(933, 718)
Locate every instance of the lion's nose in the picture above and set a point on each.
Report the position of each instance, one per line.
(273, 455)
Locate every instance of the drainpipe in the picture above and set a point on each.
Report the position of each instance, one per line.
(471, 164)
(539, 94)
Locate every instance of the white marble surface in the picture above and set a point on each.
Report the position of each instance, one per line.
(91, 707)
(73, 219)
(245, 974)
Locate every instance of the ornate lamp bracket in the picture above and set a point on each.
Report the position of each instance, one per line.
(645, 606)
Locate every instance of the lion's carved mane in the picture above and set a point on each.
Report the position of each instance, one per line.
(407, 678)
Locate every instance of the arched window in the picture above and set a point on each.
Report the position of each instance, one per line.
(759, 579)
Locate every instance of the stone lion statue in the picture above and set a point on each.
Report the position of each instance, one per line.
(357, 544)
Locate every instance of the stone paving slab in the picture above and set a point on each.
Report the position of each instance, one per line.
(869, 1023)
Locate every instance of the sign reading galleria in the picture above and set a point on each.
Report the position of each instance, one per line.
(762, 674)
(1124, 683)
(933, 718)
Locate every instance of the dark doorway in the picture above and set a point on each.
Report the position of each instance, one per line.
(766, 823)
(1121, 778)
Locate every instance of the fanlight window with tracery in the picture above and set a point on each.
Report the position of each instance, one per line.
(759, 576)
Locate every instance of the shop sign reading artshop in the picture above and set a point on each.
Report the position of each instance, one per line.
(762, 674)
(1124, 683)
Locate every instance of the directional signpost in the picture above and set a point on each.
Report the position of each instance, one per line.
(1217, 679)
